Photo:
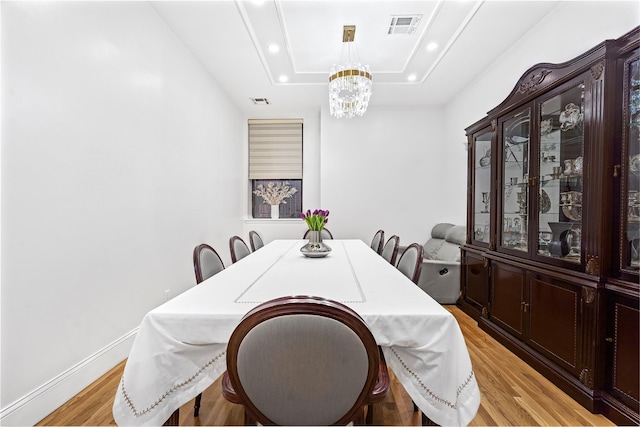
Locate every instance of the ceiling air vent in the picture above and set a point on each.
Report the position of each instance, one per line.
(404, 24)
(260, 101)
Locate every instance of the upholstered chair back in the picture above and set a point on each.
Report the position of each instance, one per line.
(238, 249)
(255, 240)
(206, 262)
(410, 262)
(445, 241)
(303, 361)
(377, 241)
(390, 250)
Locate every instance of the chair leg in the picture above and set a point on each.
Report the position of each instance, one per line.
(196, 406)
(248, 419)
(369, 419)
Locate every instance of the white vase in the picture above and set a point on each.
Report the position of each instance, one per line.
(275, 211)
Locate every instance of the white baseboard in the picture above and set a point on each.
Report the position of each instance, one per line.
(36, 405)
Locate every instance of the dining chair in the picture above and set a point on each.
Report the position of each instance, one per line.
(410, 262)
(390, 249)
(206, 263)
(238, 249)
(378, 241)
(304, 360)
(325, 233)
(255, 241)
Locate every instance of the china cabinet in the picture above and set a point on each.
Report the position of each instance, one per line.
(551, 263)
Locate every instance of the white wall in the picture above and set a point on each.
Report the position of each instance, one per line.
(119, 155)
(390, 169)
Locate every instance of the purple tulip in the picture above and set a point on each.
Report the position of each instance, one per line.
(302, 215)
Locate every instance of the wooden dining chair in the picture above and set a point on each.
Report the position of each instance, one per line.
(325, 233)
(206, 263)
(238, 249)
(410, 262)
(255, 240)
(304, 360)
(378, 241)
(390, 249)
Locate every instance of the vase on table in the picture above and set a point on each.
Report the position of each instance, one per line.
(275, 211)
(315, 248)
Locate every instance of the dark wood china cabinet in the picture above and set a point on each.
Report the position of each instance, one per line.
(552, 259)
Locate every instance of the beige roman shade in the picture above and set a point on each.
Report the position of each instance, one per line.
(275, 149)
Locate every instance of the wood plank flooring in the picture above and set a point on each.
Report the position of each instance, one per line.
(513, 394)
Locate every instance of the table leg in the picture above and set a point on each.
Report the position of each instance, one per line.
(174, 419)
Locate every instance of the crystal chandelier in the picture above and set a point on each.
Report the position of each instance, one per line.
(349, 83)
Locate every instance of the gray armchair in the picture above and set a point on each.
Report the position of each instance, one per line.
(440, 275)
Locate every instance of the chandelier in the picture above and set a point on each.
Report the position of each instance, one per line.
(349, 83)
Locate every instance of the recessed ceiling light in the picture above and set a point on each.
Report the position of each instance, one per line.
(258, 2)
(274, 48)
(283, 79)
(412, 77)
(432, 46)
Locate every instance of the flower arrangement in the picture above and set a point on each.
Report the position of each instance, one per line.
(275, 192)
(316, 220)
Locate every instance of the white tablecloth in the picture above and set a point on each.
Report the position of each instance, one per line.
(180, 346)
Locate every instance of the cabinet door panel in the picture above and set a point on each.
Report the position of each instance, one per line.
(553, 318)
(481, 184)
(515, 136)
(624, 372)
(560, 166)
(476, 288)
(630, 197)
(507, 297)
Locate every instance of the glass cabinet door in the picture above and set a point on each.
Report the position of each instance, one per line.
(560, 157)
(482, 186)
(631, 152)
(515, 138)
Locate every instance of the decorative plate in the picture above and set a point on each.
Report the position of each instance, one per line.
(515, 131)
(634, 164)
(545, 202)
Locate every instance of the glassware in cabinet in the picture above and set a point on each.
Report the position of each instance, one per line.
(482, 186)
(515, 138)
(560, 166)
(631, 200)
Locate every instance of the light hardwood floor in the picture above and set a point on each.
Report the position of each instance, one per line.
(513, 394)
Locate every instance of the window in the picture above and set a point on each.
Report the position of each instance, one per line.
(275, 167)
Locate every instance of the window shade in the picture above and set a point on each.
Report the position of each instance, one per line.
(275, 149)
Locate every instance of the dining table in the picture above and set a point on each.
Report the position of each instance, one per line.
(180, 346)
